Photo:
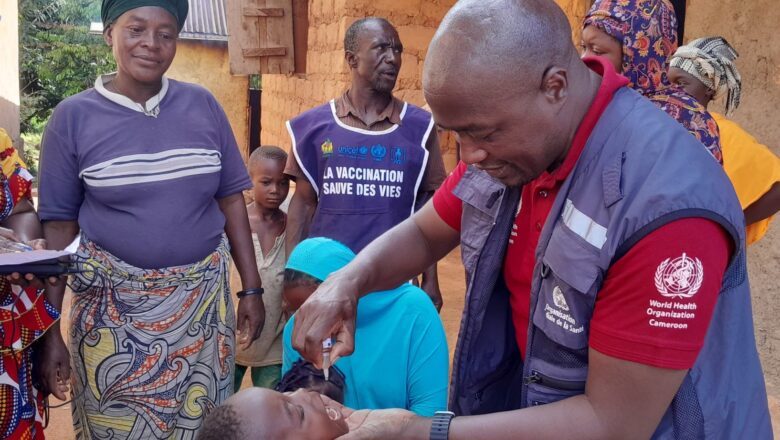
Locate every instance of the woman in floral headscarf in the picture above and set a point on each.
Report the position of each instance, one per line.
(638, 37)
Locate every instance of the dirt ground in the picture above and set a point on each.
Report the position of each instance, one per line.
(764, 268)
(451, 277)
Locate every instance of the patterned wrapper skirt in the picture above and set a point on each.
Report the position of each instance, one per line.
(24, 317)
(153, 349)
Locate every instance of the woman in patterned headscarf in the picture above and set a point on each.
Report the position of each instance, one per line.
(709, 61)
(705, 69)
(25, 314)
(638, 37)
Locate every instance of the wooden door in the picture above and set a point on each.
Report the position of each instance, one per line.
(260, 36)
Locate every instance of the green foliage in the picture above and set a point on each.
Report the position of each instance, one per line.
(58, 57)
(32, 148)
(80, 12)
(255, 82)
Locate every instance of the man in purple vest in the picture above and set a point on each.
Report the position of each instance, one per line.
(604, 252)
(366, 161)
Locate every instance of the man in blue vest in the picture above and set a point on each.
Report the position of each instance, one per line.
(604, 252)
(365, 161)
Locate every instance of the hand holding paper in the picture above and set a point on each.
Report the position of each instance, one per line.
(31, 259)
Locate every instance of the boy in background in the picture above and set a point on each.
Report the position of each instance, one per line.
(267, 222)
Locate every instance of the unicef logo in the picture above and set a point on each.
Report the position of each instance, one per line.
(378, 152)
(353, 151)
(349, 151)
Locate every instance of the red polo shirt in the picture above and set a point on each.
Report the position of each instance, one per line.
(621, 325)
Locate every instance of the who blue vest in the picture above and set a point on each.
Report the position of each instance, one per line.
(639, 171)
(366, 181)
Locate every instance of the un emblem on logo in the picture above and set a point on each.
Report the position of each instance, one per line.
(680, 277)
(378, 152)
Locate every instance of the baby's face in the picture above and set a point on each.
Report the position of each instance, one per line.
(301, 414)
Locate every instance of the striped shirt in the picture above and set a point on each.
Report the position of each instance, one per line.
(142, 181)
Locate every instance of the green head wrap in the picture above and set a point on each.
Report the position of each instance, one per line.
(112, 9)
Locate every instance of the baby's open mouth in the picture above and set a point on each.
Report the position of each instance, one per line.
(333, 413)
(332, 408)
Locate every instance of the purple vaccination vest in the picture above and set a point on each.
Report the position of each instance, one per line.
(639, 171)
(366, 181)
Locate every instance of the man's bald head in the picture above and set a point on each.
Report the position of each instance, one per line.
(505, 77)
(509, 41)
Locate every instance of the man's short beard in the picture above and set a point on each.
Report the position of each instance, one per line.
(382, 86)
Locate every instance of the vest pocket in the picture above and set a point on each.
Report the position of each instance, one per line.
(551, 382)
(541, 395)
(474, 234)
(548, 383)
(498, 391)
(482, 198)
(568, 272)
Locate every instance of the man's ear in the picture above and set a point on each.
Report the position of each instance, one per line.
(351, 59)
(108, 34)
(555, 85)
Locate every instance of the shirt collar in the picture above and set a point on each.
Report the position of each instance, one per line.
(611, 81)
(391, 113)
(151, 107)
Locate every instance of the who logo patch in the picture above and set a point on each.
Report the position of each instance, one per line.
(680, 277)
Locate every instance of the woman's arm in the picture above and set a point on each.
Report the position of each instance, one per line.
(58, 235)
(765, 207)
(54, 360)
(300, 213)
(251, 310)
(23, 220)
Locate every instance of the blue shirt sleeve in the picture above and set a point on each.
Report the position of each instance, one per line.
(60, 189)
(428, 364)
(234, 177)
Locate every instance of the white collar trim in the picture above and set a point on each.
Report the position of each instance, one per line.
(151, 107)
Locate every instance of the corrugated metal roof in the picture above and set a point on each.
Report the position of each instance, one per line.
(205, 21)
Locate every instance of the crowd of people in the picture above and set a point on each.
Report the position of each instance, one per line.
(602, 213)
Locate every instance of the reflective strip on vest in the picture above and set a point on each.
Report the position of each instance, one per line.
(584, 226)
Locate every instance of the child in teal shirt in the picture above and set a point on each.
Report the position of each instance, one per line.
(401, 357)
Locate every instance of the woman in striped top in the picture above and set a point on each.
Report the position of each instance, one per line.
(147, 170)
